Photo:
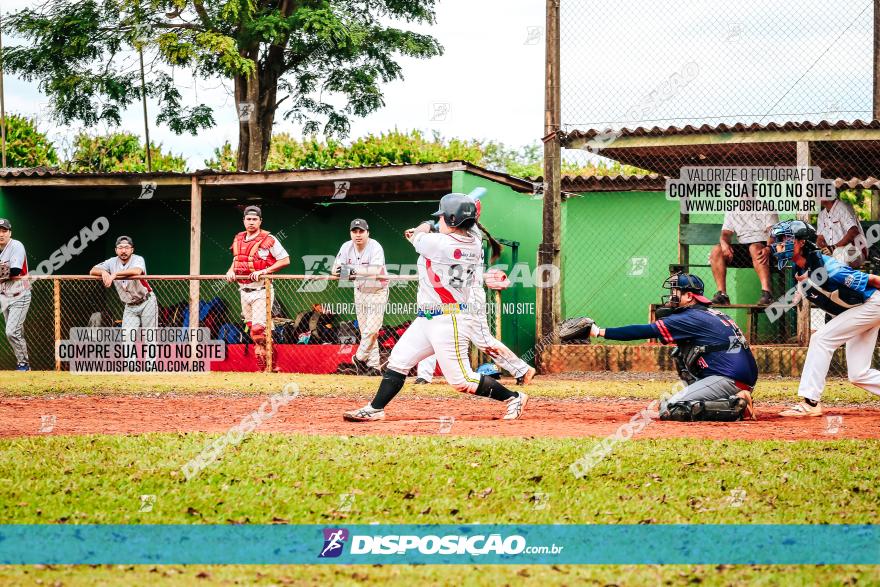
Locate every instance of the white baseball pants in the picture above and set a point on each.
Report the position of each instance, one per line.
(482, 338)
(14, 313)
(448, 338)
(370, 311)
(857, 328)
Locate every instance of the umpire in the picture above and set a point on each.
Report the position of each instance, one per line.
(712, 355)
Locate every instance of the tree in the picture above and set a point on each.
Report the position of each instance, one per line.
(26, 146)
(120, 151)
(393, 147)
(309, 53)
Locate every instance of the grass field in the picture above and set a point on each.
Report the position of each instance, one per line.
(293, 478)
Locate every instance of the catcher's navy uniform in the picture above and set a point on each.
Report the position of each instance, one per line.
(703, 326)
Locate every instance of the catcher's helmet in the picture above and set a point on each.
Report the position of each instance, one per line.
(457, 210)
(787, 232)
(684, 282)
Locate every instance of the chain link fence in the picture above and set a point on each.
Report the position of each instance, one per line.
(314, 319)
(656, 94)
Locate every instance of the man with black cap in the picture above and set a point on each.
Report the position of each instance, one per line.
(141, 307)
(712, 355)
(361, 257)
(15, 294)
(255, 254)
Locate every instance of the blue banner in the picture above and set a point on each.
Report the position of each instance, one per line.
(440, 544)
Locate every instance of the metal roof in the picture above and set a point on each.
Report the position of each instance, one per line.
(840, 149)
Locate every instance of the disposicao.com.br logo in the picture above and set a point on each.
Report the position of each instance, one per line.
(452, 544)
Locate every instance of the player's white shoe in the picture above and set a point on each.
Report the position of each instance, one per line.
(365, 414)
(515, 406)
(802, 410)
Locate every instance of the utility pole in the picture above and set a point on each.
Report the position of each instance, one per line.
(2, 101)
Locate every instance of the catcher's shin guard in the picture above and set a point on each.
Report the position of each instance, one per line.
(492, 388)
(722, 410)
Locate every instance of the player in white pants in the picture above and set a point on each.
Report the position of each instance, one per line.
(141, 308)
(15, 294)
(848, 294)
(481, 336)
(447, 264)
(358, 257)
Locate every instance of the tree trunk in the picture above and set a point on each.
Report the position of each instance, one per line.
(242, 162)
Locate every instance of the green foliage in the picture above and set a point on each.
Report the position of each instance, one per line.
(80, 52)
(860, 200)
(26, 146)
(120, 151)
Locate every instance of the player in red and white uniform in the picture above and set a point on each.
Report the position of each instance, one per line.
(448, 263)
(255, 253)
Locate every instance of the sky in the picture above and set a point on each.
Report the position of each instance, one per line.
(630, 64)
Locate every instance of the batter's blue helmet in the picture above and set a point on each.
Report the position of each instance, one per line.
(787, 232)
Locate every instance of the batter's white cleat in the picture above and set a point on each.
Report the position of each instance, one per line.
(802, 410)
(365, 414)
(515, 406)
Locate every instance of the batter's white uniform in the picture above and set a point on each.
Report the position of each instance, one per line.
(481, 336)
(253, 295)
(448, 264)
(370, 295)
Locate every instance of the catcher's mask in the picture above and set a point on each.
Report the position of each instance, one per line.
(784, 234)
(677, 284)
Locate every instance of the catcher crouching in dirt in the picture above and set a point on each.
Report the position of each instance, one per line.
(712, 355)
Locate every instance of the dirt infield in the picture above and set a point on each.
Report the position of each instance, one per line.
(406, 416)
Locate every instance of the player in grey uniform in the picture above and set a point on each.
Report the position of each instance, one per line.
(141, 307)
(15, 295)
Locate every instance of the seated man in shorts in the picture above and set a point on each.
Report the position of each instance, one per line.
(752, 230)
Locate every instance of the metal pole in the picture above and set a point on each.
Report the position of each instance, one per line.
(548, 250)
(146, 122)
(2, 100)
(876, 68)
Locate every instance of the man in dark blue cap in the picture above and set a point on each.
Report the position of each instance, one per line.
(712, 355)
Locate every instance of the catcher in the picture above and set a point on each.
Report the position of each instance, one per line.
(712, 356)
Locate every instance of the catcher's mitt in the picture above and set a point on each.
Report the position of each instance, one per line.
(4, 271)
(575, 328)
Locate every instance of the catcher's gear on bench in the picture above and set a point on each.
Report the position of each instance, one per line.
(4, 271)
(576, 328)
(731, 409)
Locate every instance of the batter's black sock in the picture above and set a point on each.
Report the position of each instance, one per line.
(392, 383)
(811, 402)
(492, 388)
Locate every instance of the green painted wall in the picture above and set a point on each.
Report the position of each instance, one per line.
(515, 217)
(606, 238)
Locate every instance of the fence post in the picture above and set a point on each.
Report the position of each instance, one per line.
(56, 304)
(269, 362)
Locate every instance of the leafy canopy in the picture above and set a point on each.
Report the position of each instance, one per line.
(82, 54)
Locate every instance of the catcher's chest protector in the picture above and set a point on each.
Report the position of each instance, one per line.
(252, 255)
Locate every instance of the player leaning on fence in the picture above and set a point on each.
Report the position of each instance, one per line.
(255, 254)
(712, 355)
(141, 307)
(15, 295)
(363, 256)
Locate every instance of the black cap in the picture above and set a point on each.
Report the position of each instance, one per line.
(124, 239)
(255, 210)
(359, 223)
(5, 224)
